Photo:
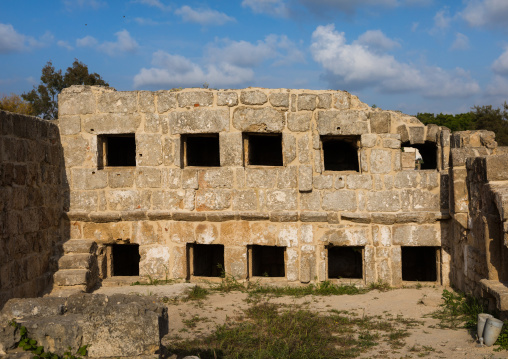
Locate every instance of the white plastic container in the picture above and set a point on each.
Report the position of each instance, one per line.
(491, 331)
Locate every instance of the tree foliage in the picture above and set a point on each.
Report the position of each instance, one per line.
(480, 118)
(14, 103)
(43, 98)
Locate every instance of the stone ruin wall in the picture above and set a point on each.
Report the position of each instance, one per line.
(162, 205)
(30, 204)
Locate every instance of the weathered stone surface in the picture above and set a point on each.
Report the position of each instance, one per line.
(307, 102)
(212, 200)
(323, 181)
(380, 161)
(380, 122)
(287, 177)
(112, 123)
(383, 201)
(255, 97)
(166, 100)
(148, 150)
(148, 177)
(346, 236)
(310, 201)
(75, 101)
(195, 98)
(339, 201)
(416, 235)
(146, 101)
(261, 177)
(299, 121)
(497, 167)
(154, 261)
(245, 200)
(406, 179)
(152, 123)
(216, 178)
(281, 200)
(369, 140)
(416, 134)
(324, 100)
(305, 178)
(117, 102)
(403, 133)
(303, 149)
(357, 181)
(70, 125)
(84, 178)
(227, 99)
(199, 120)
(128, 200)
(350, 122)
(288, 148)
(342, 100)
(168, 200)
(263, 119)
(279, 99)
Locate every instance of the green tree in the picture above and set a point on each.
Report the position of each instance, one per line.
(459, 122)
(14, 103)
(43, 98)
(496, 120)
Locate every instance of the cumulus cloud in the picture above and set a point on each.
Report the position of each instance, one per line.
(94, 4)
(123, 43)
(377, 41)
(13, 41)
(461, 42)
(486, 13)
(203, 16)
(175, 71)
(500, 65)
(272, 7)
(356, 66)
(247, 54)
(64, 44)
(153, 3)
(442, 19)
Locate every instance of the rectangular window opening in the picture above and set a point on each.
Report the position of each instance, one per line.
(425, 154)
(263, 149)
(201, 150)
(207, 260)
(125, 258)
(267, 261)
(116, 150)
(419, 264)
(345, 262)
(340, 153)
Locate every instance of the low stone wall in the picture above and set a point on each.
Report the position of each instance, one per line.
(31, 200)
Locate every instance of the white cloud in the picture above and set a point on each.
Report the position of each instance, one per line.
(246, 54)
(486, 13)
(13, 41)
(377, 41)
(500, 65)
(153, 3)
(124, 43)
(94, 4)
(461, 42)
(64, 44)
(498, 87)
(178, 71)
(442, 19)
(356, 66)
(146, 21)
(273, 7)
(414, 26)
(203, 16)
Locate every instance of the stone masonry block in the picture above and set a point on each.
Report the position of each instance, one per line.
(307, 102)
(369, 140)
(305, 178)
(117, 102)
(403, 132)
(281, 200)
(339, 201)
(168, 151)
(342, 100)
(416, 235)
(231, 149)
(264, 119)
(383, 201)
(380, 161)
(148, 150)
(216, 178)
(245, 200)
(255, 97)
(324, 101)
(497, 167)
(171, 178)
(348, 122)
(166, 100)
(358, 181)
(154, 261)
(279, 99)
(303, 149)
(171, 200)
(199, 120)
(148, 177)
(261, 177)
(84, 178)
(287, 177)
(195, 98)
(380, 122)
(227, 99)
(69, 125)
(416, 134)
(146, 101)
(347, 236)
(152, 122)
(128, 200)
(310, 201)
(323, 181)
(213, 199)
(119, 179)
(83, 201)
(190, 178)
(114, 123)
(406, 179)
(299, 121)
(75, 103)
(288, 147)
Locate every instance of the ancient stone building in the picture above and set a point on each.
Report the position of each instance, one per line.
(281, 185)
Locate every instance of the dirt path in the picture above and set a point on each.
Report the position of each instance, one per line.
(195, 318)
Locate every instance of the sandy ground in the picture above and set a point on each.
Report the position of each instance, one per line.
(408, 303)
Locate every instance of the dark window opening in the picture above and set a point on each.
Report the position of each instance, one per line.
(419, 264)
(340, 153)
(345, 262)
(116, 150)
(264, 149)
(202, 150)
(207, 259)
(428, 152)
(125, 259)
(267, 261)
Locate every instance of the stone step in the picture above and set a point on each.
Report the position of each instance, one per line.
(70, 277)
(76, 261)
(79, 246)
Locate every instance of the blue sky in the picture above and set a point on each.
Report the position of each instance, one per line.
(408, 55)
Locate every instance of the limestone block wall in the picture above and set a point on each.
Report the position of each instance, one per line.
(30, 203)
(162, 204)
